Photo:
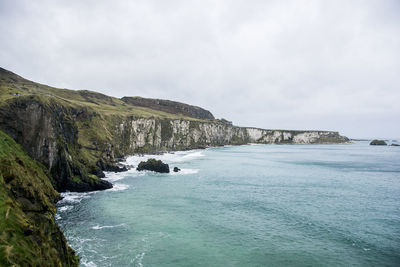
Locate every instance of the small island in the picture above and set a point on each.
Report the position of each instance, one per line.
(377, 142)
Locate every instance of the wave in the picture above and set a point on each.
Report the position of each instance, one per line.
(186, 171)
(64, 208)
(74, 197)
(88, 263)
(98, 227)
(118, 187)
(114, 176)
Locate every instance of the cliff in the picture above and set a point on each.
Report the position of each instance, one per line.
(29, 235)
(78, 134)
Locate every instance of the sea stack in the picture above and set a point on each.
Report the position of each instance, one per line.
(153, 165)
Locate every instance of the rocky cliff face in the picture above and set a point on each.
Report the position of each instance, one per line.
(147, 135)
(48, 133)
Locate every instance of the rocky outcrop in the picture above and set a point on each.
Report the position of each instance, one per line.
(171, 107)
(377, 142)
(153, 165)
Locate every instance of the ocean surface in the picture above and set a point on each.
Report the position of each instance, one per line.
(253, 205)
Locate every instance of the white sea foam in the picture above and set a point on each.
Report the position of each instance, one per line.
(118, 187)
(88, 263)
(114, 176)
(180, 156)
(185, 171)
(73, 197)
(98, 227)
(64, 208)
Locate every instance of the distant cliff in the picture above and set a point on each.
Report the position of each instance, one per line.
(170, 107)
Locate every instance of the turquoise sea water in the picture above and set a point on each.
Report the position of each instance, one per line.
(254, 205)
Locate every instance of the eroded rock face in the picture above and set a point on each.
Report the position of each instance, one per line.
(49, 134)
(377, 142)
(153, 165)
(148, 135)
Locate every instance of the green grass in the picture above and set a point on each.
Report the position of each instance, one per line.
(11, 84)
(29, 235)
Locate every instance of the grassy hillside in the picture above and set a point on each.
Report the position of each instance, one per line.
(13, 86)
(29, 235)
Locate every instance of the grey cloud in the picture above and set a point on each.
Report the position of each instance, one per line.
(274, 64)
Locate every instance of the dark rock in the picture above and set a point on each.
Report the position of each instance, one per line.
(377, 142)
(153, 165)
(100, 174)
(87, 187)
(395, 144)
(115, 168)
(176, 169)
(111, 167)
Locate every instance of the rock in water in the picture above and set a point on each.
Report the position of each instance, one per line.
(395, 144)
(153, 165)
(377, 142)
(176, 169)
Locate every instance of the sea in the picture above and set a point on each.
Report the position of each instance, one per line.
(250, 205)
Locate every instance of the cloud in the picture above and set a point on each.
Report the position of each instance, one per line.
(273, 64)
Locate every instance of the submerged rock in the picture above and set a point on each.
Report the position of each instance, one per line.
(176, 169)
(377, 142)
(153, 165)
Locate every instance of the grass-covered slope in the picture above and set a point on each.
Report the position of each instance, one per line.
(13, 86)
(29, 235)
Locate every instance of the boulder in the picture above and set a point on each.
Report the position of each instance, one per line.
(153, 165)
(176, 169)
(377, 142)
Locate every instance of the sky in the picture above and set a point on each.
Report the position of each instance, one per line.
(303, 64)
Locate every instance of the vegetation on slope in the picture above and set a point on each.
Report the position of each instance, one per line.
(13, 86)
(29, 235)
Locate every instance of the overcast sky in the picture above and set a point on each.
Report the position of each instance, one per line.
(329, 65)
